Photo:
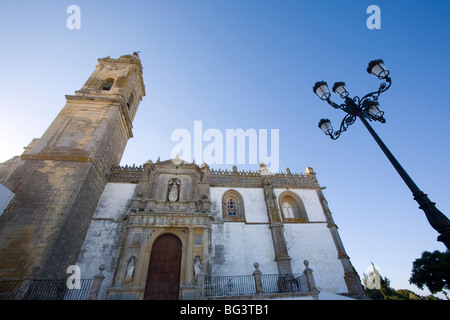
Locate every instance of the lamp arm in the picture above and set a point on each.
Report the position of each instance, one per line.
(344, 106)
(383, 87)
(348, 120)
(334, 104)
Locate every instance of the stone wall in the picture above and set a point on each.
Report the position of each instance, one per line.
(60, 177)
(104, 238)
(46, 222)
(237, 245)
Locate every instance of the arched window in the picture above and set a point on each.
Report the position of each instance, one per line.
(292, 208)
(233, 206)
(288, 210)
(130, 101)
(107, 84)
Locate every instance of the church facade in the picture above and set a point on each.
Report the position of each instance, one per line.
(166, 229)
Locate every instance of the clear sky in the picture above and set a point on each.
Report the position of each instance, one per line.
(251, 64)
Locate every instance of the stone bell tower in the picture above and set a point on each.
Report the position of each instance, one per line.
(60, 177)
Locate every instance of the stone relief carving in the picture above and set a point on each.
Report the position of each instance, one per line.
(198, 267)
(174, 189)
(131, 264)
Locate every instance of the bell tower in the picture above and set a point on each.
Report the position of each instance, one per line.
(61, 176)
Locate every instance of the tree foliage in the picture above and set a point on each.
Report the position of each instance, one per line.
(383, 290)
(432, 270)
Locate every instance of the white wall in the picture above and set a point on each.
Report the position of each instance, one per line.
(243, 243)
(310, 200)
(236, 246)
(5, 198)
(254, 203)
(246, 243)
(313, 242)
(105, 233)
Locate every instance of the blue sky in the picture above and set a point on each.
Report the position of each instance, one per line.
(252, 64)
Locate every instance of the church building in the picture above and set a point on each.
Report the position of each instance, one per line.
(166, 229)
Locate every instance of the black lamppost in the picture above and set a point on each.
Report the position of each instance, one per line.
(367, 108)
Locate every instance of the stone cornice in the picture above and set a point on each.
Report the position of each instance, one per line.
(68, 158)
(130, 174)
(114, 99)
(234, 178)
(219, 178)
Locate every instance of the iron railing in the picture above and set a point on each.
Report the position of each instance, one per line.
(9, 289)
(216, 286)
(229, 285)
(55, 289)
(277, 283)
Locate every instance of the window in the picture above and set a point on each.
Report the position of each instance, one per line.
(292, 208)
(288, 210)
(107, 84)
(130, 101)
(233, 206)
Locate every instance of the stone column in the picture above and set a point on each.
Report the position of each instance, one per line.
(309, 277)
(200, 285)
(352, 281)
(96, 284)
(189, 258)
(276, 227)
(206, 246)
(258, 281)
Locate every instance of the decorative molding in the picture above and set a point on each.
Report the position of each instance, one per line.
(130, 174)
(234, 178)
(227, 178)
(160, 220)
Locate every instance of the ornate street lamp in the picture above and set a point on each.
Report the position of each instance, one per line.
(321, 89)
(326, 126)
(368, 108)
(339, 88)
(377, 68)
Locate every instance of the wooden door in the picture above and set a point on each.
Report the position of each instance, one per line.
(163, 279)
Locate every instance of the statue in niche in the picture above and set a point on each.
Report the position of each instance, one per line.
(198, 267)
(130, 267)
(174, 189)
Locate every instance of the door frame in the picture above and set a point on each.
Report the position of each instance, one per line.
(148, 254)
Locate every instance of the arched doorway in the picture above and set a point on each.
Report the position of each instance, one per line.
(163, 279)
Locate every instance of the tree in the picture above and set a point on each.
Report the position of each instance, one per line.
(377, 287)
(432, 270)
